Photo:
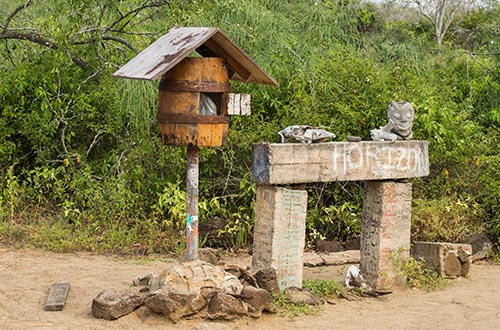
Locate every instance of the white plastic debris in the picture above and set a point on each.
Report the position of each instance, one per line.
(305, 134)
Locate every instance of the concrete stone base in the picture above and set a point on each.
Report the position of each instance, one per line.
(448, 259)
(279, 233)
(385, 232)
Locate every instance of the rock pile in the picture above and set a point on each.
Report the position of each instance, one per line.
(189, 288)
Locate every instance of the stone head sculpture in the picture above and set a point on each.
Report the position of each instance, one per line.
(399, 125)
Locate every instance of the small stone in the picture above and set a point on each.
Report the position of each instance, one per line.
(299, 296)
(143, 280)
(225, 307)
(352, 138)
(232, 285)
(209, 255)
(241, 273)
(482, 247)
(176, 305)
(312, 259)
(267, 279)
(257, 300)
(331, 301)
(329, 246)
(341, 258)
(452, 265)
(111, 304)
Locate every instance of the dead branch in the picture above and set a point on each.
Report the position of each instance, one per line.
(14, 13)
(98, 33)
(30, 37)
(35, 38)
(108, 37)
(136, 11)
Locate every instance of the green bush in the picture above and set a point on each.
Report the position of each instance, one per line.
(448, 219)
(80, 151)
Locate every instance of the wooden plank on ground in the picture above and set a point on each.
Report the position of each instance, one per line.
(57, 297)
(288, 163)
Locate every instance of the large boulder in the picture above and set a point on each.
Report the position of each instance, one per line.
(482, 247)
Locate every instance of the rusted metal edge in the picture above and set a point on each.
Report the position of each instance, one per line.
(192, 86)
(169, 118)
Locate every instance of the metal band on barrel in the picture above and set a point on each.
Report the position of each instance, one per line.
(193, 86)
(169, 118)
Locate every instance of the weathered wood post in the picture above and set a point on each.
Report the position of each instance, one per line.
(192, 202)
(194, 102)
(386, 206)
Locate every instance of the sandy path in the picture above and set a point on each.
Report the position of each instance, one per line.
(26, 277)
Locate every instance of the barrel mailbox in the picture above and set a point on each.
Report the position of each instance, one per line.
(193, 101)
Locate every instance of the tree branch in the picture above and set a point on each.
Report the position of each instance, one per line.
(28, 36)
(136, 11)
(108, 37)
(35, 38)
(14, 13)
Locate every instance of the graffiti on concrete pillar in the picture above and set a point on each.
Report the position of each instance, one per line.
(369, 244)
(290, 238)
(349, 158)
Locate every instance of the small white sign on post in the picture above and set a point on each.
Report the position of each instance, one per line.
(238, 104)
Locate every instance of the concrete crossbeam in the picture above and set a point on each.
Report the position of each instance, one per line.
(289, 163)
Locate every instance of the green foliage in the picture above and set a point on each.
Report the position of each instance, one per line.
(334, 212)
(489, 193)
(324, 289)
(448, 219)
(291, 310)
(80, 152)
(417, 274)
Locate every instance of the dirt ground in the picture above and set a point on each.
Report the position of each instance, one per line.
(26, 277)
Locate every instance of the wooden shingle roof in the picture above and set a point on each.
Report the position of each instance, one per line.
(179, 42)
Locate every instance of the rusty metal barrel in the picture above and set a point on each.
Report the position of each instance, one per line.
(185, 93)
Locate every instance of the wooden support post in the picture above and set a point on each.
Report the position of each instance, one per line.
(192, 202)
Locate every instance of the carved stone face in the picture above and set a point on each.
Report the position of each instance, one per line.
(401, 114)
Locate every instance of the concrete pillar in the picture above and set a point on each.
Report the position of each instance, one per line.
(279, 233)
(385, 231)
